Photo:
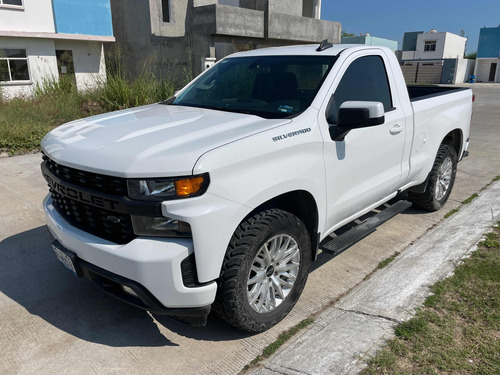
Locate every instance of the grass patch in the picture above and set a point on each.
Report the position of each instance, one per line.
(458, 328)
(386, 262)
(491, 241)
(470, 199)
(282, 338)
(24, 121)
(496, 179)
(454, 211)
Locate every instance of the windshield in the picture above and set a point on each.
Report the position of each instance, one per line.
(266, 86)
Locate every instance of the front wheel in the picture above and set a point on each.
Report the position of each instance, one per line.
(264, 271)
(441, 180)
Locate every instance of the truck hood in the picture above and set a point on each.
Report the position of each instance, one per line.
(151, 141)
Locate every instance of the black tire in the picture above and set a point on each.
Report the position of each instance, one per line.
(232, 302)
(428, 200)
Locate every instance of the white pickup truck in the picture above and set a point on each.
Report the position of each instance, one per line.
(220, 196)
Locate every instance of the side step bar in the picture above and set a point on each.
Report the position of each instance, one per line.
(337, 244)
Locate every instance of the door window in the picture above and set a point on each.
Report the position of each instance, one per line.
(364, 80)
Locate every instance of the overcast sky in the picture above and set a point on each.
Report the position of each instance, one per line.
(391, 18)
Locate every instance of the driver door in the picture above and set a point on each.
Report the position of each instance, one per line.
(366, 166)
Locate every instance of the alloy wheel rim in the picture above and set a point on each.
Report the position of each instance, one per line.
(444, 179)
(273, 273)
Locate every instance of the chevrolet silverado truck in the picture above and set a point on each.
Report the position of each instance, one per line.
(220, 196)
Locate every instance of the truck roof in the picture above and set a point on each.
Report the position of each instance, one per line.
(305, 49)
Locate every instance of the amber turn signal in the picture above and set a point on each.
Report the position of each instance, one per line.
(188, 186)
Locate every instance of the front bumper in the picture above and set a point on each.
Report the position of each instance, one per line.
(152, 264)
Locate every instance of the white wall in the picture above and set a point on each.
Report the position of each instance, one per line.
(36, 16)
(482, 70)
(88, 59)
(41, 63)
(408, 55)
(454, 46)
(448, 45)
(464, 69)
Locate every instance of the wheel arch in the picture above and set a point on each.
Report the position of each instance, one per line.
(455, 140)
(300, 203)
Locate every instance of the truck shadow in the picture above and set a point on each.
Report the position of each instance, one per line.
(31, 276)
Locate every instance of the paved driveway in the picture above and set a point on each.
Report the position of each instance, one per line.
(53, 323)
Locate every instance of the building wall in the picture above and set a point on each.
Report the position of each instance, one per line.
(454, 46)
(489, 42)
(438, 53)
(35, 17)
(408, 55)
(464, 69)
(448, 45)
(90, 17)
(178, 13)
(200, 29)
(42, 64)
(483, 67)
(371, 41)
(290, 7)
(88, 60)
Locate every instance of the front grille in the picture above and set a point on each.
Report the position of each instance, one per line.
(89, 180)
(106, 224)
(109, 225)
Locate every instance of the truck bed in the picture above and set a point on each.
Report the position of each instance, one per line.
(420, 92)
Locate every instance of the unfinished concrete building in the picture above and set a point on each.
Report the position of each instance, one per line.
(190, 35)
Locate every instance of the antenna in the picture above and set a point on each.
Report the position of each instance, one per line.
(324, 45)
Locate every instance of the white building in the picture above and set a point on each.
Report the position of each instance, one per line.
(43, 39)
(434, 45)
(435, 57)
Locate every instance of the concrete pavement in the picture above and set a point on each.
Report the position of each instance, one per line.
(51, 322)
(348, 333)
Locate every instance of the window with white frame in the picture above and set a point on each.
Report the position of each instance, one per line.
(430, 46)
(13, 65)
(12, 3)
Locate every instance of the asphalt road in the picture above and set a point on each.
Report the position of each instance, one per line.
(51, 322)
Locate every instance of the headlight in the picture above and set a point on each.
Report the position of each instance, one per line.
(160, 226)
(162, 189)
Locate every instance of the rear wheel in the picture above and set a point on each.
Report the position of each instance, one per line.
(441, 180)
(264, 271)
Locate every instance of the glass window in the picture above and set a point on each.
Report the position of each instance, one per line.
(13, 65)
(266, 86)
(12, 2)
(12, 53)
(430, 46)
(364, 80)
(19, 70)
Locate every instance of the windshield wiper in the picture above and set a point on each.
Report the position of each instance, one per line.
(169, 100)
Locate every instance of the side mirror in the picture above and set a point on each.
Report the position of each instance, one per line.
(355, 115)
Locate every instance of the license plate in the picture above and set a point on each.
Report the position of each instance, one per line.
(65, 259)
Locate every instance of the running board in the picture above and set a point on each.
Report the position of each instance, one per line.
(337, 244)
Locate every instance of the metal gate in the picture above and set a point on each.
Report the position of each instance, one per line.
(422, 72)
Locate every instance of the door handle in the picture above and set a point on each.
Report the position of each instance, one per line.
(396, 129)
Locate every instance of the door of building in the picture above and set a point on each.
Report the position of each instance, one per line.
(493, 70)
(65, 65)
